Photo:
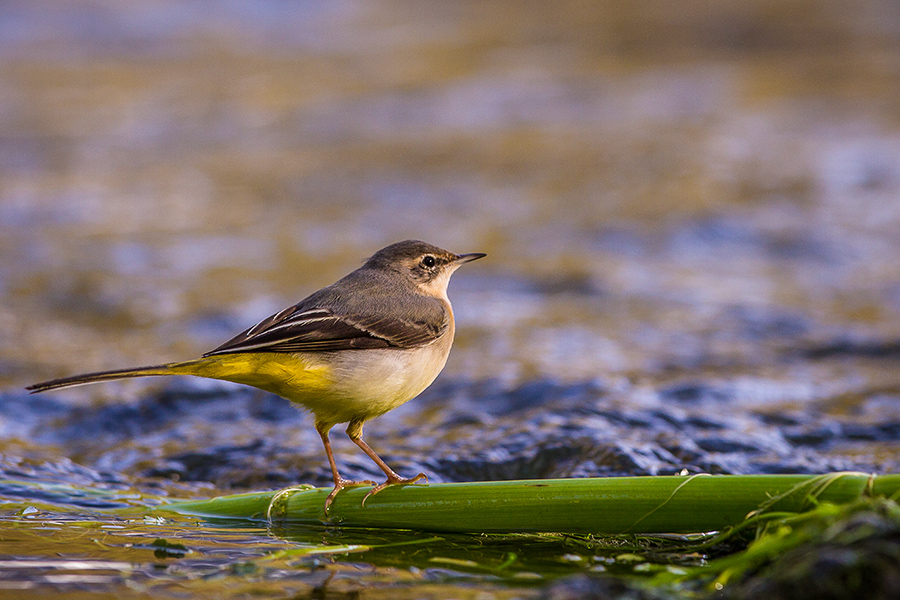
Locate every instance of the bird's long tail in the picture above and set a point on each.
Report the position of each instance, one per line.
(177, 368)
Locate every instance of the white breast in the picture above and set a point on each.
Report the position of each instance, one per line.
(369, 383)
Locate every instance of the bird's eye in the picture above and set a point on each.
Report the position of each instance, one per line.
(428, 262)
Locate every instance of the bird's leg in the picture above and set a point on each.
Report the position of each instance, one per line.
(354, 431)
(339, 482)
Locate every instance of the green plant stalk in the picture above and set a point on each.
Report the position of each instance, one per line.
(619, 505)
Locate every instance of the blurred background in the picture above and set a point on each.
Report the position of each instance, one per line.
(691, 212)
(667, 192)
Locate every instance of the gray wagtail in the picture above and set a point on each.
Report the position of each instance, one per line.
(348, 353)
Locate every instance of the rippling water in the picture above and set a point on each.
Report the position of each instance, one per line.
(691, 216)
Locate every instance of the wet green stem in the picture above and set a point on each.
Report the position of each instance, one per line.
(617, 505)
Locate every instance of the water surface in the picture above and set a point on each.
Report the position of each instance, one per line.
(691, 217)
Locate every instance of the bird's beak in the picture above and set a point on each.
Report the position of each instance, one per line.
(464, 258)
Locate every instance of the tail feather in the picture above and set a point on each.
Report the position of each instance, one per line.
(63, 382)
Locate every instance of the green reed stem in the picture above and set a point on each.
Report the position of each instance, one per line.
(596, 505)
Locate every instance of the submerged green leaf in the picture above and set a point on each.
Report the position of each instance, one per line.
(165, 549)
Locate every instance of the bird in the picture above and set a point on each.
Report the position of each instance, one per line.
(348, 353)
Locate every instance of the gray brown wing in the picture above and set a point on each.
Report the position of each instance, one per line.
(319, 329)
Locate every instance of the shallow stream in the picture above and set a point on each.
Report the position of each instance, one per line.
(691, 215)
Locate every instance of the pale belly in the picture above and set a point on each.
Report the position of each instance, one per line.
(337, 387)
(364, 387)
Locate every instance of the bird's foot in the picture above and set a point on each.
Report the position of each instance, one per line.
(394, 480)
(341, 484)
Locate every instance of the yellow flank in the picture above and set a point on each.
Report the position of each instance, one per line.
(281, 373)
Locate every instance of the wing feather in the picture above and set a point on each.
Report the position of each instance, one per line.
(321, 329)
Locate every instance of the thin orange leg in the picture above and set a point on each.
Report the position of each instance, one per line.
(339, 482)
(354, 431)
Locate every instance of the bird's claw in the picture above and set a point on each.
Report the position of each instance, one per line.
(394, 481)
(341, 484)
